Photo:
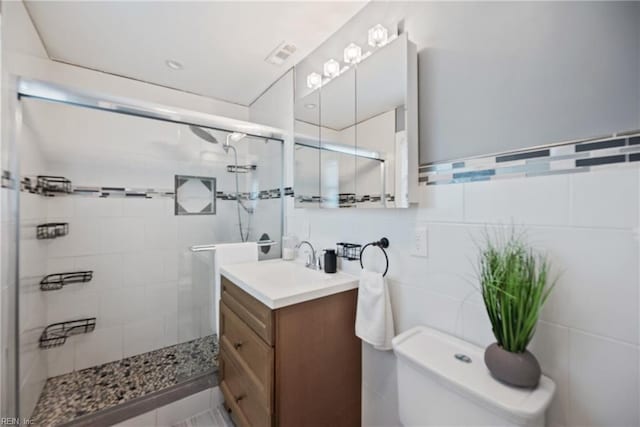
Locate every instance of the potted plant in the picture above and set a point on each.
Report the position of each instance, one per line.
(514, 286)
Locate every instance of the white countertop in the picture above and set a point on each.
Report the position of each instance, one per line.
(279, 283)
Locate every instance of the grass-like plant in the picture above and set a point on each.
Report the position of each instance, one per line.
(514, 283)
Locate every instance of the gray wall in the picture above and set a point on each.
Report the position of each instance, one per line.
(502, 76)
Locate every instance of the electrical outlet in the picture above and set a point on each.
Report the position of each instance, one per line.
(420, 244)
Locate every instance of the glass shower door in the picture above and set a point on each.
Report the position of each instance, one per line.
(220, 201)
(121, 271)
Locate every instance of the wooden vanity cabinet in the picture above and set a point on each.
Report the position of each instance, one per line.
(294, 366)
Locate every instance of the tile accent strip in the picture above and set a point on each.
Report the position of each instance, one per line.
(29, 185)
(344, 200)
(552, 159)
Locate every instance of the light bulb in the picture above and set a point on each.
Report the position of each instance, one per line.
(352, 53)
(378, 35)
(314, 81)
(331, 68)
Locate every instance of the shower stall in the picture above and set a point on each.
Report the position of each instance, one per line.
(114, 201)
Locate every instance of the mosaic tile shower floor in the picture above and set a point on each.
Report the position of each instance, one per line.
(79, 393)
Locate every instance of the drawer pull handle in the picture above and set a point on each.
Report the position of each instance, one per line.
(239, 398)
(238, 345)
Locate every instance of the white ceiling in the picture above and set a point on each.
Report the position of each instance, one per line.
(222, 45)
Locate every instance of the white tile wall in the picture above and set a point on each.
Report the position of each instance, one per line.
(175, 412)
(180, 410)
(603, 381)
(588, 338)
(502, 201)
(134, 247)
(605, 199)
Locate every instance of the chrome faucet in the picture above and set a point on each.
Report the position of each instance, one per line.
(313, 262)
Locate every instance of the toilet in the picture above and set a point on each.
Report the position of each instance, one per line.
(443, 381)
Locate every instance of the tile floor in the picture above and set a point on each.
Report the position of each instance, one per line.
(87, 391)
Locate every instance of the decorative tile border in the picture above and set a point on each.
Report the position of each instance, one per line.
(560, 158)
(553, 159)
(344, 200)
(28, 184)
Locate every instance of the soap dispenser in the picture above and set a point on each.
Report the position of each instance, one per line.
(330, 261)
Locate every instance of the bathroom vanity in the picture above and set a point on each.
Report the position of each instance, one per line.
(288, 351)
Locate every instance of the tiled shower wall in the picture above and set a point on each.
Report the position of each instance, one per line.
(136, 249)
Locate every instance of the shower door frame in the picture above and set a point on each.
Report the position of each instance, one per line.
(21, 87)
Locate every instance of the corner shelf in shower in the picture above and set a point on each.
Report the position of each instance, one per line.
(54, 282)
(56, 334)
(50, 185)
(51, 230)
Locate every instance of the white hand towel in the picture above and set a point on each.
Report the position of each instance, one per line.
(226, 254)
(374, 320)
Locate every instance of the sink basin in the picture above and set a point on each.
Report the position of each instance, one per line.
(281, 283)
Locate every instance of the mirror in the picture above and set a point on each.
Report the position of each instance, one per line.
(338, 141)
(307, 151)
(356, 134)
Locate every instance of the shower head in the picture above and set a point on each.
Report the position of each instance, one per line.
(203, 134)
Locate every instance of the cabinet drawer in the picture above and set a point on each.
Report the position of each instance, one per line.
(241, 396)
(253, 354)
(256, 315)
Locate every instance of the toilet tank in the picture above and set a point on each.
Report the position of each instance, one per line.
(443, 381)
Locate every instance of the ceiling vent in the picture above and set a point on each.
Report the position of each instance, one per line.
(280, 54)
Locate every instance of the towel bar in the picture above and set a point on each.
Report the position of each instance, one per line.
(211, 248)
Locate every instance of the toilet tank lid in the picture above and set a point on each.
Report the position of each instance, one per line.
(435, 353)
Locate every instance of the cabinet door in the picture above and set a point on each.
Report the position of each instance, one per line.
(382, 90)
(318, 363)
(306, 154)
(338, 141)
(362, 123)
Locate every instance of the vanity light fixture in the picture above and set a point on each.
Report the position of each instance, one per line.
(314, 81)
(173, 64)
(352, 53)
(331, 68)
(378, 36)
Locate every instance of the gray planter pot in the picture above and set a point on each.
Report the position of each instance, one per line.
(515, 369)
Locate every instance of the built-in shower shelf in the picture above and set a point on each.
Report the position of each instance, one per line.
(50, 185)
(51, 230)
(54, 282)
(56, 334)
